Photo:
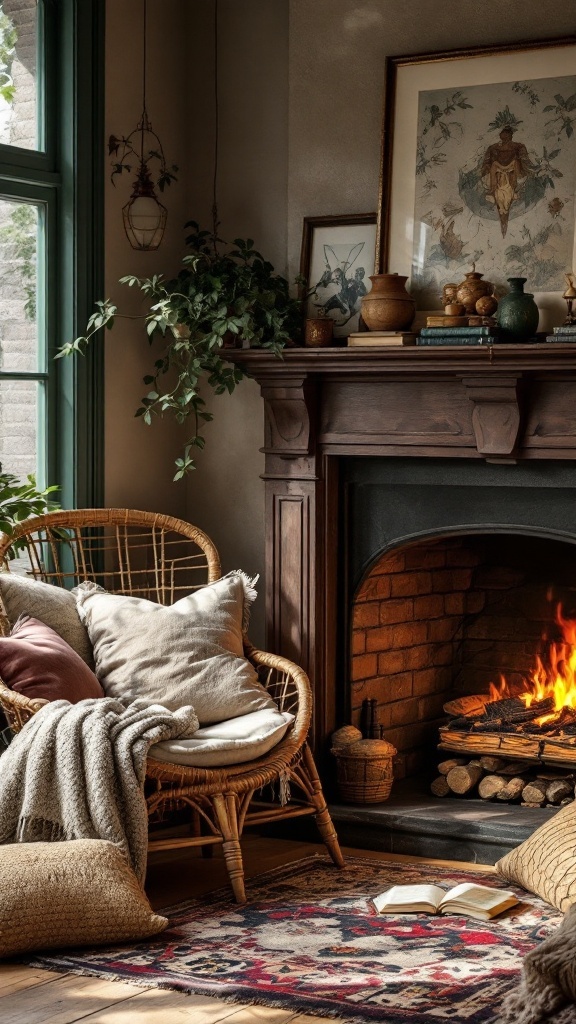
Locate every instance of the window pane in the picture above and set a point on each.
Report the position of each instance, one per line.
(21, 451)
(19, 335)
(18, 78)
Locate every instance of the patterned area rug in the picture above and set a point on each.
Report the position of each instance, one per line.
(310, 941)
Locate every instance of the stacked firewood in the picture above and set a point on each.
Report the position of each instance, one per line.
(495, 778)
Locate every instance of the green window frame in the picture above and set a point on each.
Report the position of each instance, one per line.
(65, 179)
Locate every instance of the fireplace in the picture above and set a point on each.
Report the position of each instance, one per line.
(432, 489)
(435, 621)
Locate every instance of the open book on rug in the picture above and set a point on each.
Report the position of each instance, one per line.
(479, 901)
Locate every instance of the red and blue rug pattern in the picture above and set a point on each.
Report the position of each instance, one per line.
(309, 940)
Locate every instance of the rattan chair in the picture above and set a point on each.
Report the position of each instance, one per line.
(162, 558)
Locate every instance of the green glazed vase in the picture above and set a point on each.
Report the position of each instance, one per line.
(517, 313)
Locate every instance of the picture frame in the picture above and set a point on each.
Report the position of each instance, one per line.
(337, 258)
(478, 166)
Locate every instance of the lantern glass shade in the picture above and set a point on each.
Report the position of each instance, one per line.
(144, 221)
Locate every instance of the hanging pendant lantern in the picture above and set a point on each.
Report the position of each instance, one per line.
(144, 215)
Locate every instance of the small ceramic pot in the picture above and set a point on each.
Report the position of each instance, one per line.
(454, 309)
(319, 331)
(471, 289)
(388, 306)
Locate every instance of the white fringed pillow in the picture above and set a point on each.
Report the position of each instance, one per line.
(190, 652)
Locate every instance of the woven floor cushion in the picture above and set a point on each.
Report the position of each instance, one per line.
(232, 742)
(545, 863)
(80, 893)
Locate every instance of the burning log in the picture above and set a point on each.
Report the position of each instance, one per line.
(504, 708)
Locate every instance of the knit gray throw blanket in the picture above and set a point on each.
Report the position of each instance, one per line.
(76, 771)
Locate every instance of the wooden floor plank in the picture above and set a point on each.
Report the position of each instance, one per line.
(14, 977)
(66, 999)
(156, 1006)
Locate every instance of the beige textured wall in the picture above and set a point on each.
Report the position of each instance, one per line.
(139, 459)
(225, 493)
(300, 87)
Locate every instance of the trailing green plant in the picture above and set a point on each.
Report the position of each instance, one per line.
(222, 294)
(8, 40)
(19, 501)
(18, 241)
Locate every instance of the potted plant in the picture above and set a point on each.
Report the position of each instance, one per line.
(19, 501)
(223, 295)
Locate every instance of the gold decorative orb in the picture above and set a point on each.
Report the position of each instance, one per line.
(486, 305)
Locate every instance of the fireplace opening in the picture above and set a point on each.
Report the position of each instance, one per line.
(449, 617)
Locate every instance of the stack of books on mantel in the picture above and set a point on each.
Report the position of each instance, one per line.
(481, 335)
(565, 335)
(369, 339)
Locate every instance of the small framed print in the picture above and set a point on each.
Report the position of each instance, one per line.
(338, 255)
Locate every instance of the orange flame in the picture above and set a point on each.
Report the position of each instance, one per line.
(556, 679)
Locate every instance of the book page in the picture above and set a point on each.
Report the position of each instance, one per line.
(481, 896)
(409, 895)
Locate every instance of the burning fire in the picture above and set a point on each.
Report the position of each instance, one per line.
(557, 679)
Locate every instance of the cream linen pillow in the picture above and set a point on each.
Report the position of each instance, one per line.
(53, 606)
(79, 893)
(190, 652)
(545, 863)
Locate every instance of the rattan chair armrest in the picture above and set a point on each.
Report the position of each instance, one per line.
(18, 708)
(299, 682)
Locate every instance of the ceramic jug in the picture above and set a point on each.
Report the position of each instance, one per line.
(388, 306)
(517, 314)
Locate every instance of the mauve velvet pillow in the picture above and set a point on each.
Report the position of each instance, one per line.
(37, 662)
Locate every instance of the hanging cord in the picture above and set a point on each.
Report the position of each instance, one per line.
(216, 130)
(144, 55)
(144, 121)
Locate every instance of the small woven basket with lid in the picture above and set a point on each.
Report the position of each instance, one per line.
(364, 771)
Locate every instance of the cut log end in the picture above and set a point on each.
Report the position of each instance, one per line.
(464, 778)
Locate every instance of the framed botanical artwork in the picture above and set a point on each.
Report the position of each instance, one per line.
(337, 258)
(479, 167)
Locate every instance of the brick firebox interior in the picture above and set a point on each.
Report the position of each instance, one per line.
(449, 616)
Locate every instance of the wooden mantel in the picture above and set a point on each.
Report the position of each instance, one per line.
(502, 403)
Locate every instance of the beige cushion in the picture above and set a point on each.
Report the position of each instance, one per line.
(53, 606)
(545, 863)
(189, 653)
(233, 742)
(81, 893)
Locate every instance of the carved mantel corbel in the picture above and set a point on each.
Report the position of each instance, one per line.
(290, 409)
(497, 414)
